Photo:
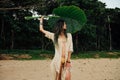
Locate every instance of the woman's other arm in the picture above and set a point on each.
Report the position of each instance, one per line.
(70, 48)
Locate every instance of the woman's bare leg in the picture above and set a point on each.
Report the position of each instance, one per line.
(59, 77)
(56, 76)
(68, 75)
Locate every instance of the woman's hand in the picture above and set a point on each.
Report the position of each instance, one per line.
(41, 19)
(68, 65)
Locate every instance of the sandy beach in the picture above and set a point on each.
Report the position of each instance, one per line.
(82, 69)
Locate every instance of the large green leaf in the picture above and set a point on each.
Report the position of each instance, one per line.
(74, 17)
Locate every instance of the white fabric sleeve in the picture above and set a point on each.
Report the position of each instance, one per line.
(71, 44)
(49, 35)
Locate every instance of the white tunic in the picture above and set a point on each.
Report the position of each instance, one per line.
(56, 62)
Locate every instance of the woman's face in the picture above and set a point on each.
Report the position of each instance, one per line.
(64, 26)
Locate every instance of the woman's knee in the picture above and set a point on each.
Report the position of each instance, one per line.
(68, 76)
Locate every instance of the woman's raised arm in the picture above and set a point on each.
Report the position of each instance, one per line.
(41, 26)
(48, 34)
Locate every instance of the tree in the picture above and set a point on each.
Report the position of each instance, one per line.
(17, 33)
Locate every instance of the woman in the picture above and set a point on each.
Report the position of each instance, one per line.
(61, 64)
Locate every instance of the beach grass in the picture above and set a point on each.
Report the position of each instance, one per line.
(44, 54)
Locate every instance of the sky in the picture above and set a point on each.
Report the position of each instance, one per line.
(111, 3)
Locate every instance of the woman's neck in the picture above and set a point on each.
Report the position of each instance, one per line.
(62, 33)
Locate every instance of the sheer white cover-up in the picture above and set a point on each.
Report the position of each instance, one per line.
(56, 62)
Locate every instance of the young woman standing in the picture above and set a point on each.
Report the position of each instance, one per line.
(61, 63)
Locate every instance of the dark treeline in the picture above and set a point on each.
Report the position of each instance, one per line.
(101, 31)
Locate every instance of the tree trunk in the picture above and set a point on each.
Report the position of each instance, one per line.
(76, 43)
(12, 39)
(3, 34)
(43, 43)
(47, 44)
(98, 39)
(110, 38)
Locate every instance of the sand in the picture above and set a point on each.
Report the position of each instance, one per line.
(82, 69)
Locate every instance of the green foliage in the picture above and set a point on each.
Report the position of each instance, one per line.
(73, 12)
(23, 34)
(43, 54)
(74, 16)
(86, 38)
(97, 54)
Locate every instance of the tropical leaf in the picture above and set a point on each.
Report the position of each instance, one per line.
(74, 17)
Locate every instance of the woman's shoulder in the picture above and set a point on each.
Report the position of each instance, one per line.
(69, 34)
